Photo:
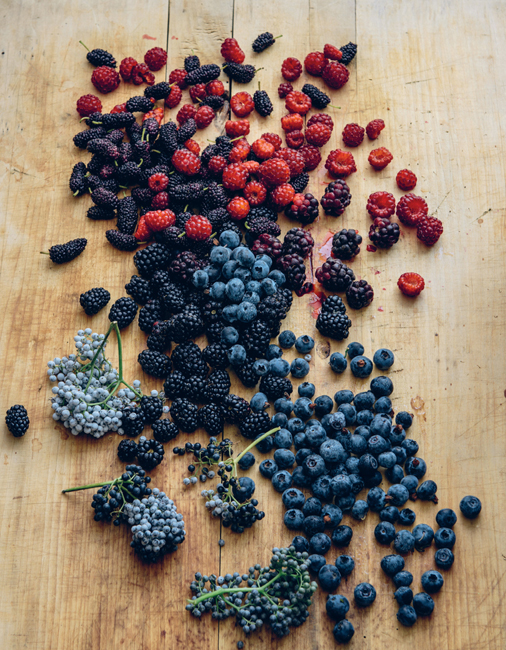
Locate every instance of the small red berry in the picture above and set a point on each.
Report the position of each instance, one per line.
(255, 193)
(242, 104)
(186, 112)
(274, 172)
(340, 164)
(178, 77)
(240, 151)
(198, 93)
(429, 230)
(238, 208)
(198, 228)
(411, 284)
(335, 75)
(193, 146)
(158, 182)
(105, 79)
(381, 205)
(274, 139)
(321, 118)
(119, 108)
(231, 51)
(411, 208)
(312, 156)
(293, 159)
(143, 231)
(332, 52)
(284, 89)
(282, 195)
(141, 74)
(251, 166)
(88, 104)
(406, 180)
(156, 113)
(237, 128)
(374, 128)
(175, 96)
(127, 67)
(217, 164)
(204, 116)
(315, 62)
(380, 158)
(215, 87)
(294, 139)
(263, 149)
(292, 122)
(186, 162)
(318, 134)
(353, 135)
(234, 177)
(160, 201)
(291, 69)
(155, 58)
(297, 102)
(160, 219)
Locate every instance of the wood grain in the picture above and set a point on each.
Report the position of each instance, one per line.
(433, 71)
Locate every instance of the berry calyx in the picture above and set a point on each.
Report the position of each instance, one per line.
(411, 284)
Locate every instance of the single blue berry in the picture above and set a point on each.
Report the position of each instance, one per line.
(337, 362)
(470, 507)
(299, 368)
(361, 367)
(230, 239)
(383, 358)
(354, 350)
(286, 339)
(343, 631)
(364, 594)
(304, 344)
(337, 607)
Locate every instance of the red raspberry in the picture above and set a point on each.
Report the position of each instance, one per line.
(284, 89)
(175, 96)
(321, 118)
(406, 180)
(234, 177)
(186, 162)
(217, 164)
(238, 208)
(119, 108)
(374, 128)
(126, 68)
(274, 139)
(178, 77)
(294, 139)
(318, 134)
(88, 104)
(155, 58)
(353, 135)
(312, 156)
(198, 228)
(237, 128)
(335, 75)
(282, 195)
(332, 52)
(411, 284)
(293, 159)
(215, 87)
(411, 209)
(274, 172)
(141, 74)
(291, 69)
(255, 193)
(381, 205)
(160, 201)
(160, 219)
(231, 51)
(263, 149)
(143, 231)
(192, 146)
(156, 113)
(239, 152)
(105, 79)
(251, 166)
(292, 122)
(297, 102)
(340, 164)
(429, 230)
(186, 112)
(315, 62)
(204, 116)
(158, 182)
(380, 158)
(242, 104)
(198, 93)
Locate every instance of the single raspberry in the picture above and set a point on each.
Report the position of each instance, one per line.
(143, 231)
(374, 128)
(359, 294)
(274, 139)
(336, 198)
(186, 162)
(303, 208)
(411, 284)
(318, 134)
(381, 205)
(312, 156)
(204, 116)
(238, 208)
(274, 172)
(234, 177)
(291, 69)
(240, 151)
(160, 201)
(155, 58)
(193, 146)
(297, 102)
(315, 62)
(231, 51)
(335, 75)
(410, 209)
(158, 182)
(105, 79)
(406, 180)
(186, 112)
(334, 275)
(156, 114)
(292, 122)
(282, 195)
(293, 159)
(380, 158)
(284, 89)
(267, 244)
(263, 149)
(340, 164)
(353, 135)
(217, 164)
(321, 118)
(174, 97)
(294, 139)
(332, 52)
(88, 104)
(198, 228)
(251, 166)
(383, 233)
(119, 108)
(127, 67)
(237, 128)
(242, 104)
(215, 88)
(178, 77)
(255, 193)
(429, 230)
(141, 74)
(159, 220)
(198, 93)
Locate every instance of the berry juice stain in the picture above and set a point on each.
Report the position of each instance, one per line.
(417, 404)
(315, 302)
(325, 249)
(380, 309)
(148, 37)
(371, 248)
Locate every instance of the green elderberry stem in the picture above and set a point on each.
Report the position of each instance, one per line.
(280, 36)
(87, 487)
(84, 46)
(235, 590)
(254, 443)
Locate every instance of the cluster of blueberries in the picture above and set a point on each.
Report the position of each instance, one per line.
(360, 365)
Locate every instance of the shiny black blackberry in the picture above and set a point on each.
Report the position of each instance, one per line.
(98, 57)
(235, 408)
(159, 340)
(186, 325)
(275, 387)
(139, 289)
(336, 198)
(191, 63)
(184, 266)
(255, 226)
(214, 101)
(263, 104)
(360, 294)
(172, 298)
(346, 244)
(152, 258)
(149, 453)
(17, 420)
(62, 253)
(132, 421)
(246, 373)
(225, 145)
(122, 241)
(127, 450)
(158, 91)
(215, 354)
(295, 272)
(152, 408)
(262, 211)
(318, 98)
(256, 338)
(238, 72)
(164, 430)
(218, 385)
(139, 104)
(300, 182)
(149, 314)
(100, 213)
(77, 183)
(168, 137)
(82, 138)
(174, 385)
(299, 241)
(94, 300)
(255, 424)
(262, 42)
(123, 311)
(332, 320)
(272, 310)
(188, 359)
(195, 389)
(348, 51)
(184, 414)
(203, 75)
(210, 418)
(155, 363)
(213, 332)
(383, 233)
(128, 215)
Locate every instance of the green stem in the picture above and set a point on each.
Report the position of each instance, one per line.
(235, 590)
(84, 46)
(254, 443)
(87, 487)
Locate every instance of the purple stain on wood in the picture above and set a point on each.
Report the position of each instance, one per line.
(148, 37)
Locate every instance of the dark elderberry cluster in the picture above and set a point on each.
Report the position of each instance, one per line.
(205, 457)
(111, 498)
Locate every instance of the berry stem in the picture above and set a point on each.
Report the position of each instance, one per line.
(84, 46)
(87, 487)
(254, 443)
(235, 590)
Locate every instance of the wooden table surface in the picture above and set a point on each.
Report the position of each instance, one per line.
(434, 71)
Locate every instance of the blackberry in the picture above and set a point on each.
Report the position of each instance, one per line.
(128, 215)
(155, 363)
(262, 42)
(272, 310)
(215, 355)
(203, 75)
(186, 131)
(123, 311)
(235, 409)
(152, 258)
(215, 197)
(257, 225)
(306, 212)
(238, 72)
(94, 120)
(216, 218)
(214, 101)
(184, 414)
(149, 453)
(318, 98)
(172, 298)
(17, 420)
(149, 314)
(152, 408)
(336, 199)
(383, 233)
(103, 147)
(262, 212)
(98, 57)
(139, 289)
(246, 373)
(209, 152)
(110, 185)
(101, 196)
(186, 325)
(128, 174)
(267, 245)
(62, 253)
(132, 421)
(77, 182)
(360, 294)
(82, 138)
(298, 241)
(164, 430)
(125, 153)
(293, 267)
(139, 104)
(263, 104)
(255, 424)
(142, 195)
(300, 182)
(127, 451)
(117, 120)
(94, 300)
(228, 224)
(174, 385)
(332, 320)
(256, 338)
(159, 340)
(275, 387)
(191, 63)
(158, 91)
(225, 145)
(168, 137)
(142, 153)
(346, 244)
(195, 389)
(334, 275)
(158, 280)
(213, 332)
(186, 193)
(348, 51)
(116, 136)
(184, 266)
(170, 238)
(188, 359)
(218, 385)
(100, 213)
(210, 418)
(121, 241)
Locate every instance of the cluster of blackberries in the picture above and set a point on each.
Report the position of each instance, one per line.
(149, 453)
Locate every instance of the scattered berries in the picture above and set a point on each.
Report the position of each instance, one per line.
(318, 98)
(294, 139)
(178, 77)
(410, 209)
(311, 155)
(380, 158)
(263, 104)
(100, 57)
(291, 69)
(411, 284)
(374, 128)
(429, 230)
(155, 58)
(231, 51)
(88, 104)
(406, 180)
(381, 204)
(335, 75)
(198, 228)
(353, 135)
(340, 164)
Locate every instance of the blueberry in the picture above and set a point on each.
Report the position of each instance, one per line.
(283, 439)
(349, 412)
(384, 533)
(383, 405)
(300, 544)
(398, 495)
(354, 350)
(404, 418)
(346, 503)
(373, 480)
(229, 336)
(415, 466)
(400, 455)
(390, 514)
(367, 465)
(358, 445)
(259, 402)
(365, 594)
(343, 397)
(278, 277)
(380, 426)
(432, 581)
(329, 577)
(410, 446)
(283, 405)
(281, 481)
(343, 631)
(423, 535)
(244, 489)
(315, 436)
(286, 339)
(406, 616)
(320, 544)
(335, 422)
(269, 287)
(299, 368)
(295, 425)
(376, 499)
(444, 558)
(230, 238)
(427, 491)
(446, 518)
(247, 312)
(407, 517)
(470, 507)
(397, 434)
(387, 459)
(423, 604)
(230, 313)
(382, 386)
(219, 255)
(410, 482)
(314, 466)
(312, 507)
(281, 420)
(383, 358)
(377, 445)
(337, 362)
(303, 408)
(247, 461)
(332, 515)
(200, 279)
(322, 488)
(259, 270)
(445, 538)
(359, 510)
(244, 275)
(229, 268)
(341, 535)
(236, 355)
(265, 445)
(345, 564)
(268, 468)
(337, 607)
(316, 562)
(306, 389)
(302, 454)
(404, 542)
(264, 258)
(341, 485)
(314, 524)
(251, 297)
(363, 430)
(293, 519)
(351, 466)
(217, 291)
(304, 344)
(279, 367)
(244, 256)
(332, 451)
(284, 458)
(323, 405)
(273, 352)
(392, 564)
(361, 367)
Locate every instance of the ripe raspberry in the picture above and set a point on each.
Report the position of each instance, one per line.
(336, 199)
(237, 128)
(315, 62)
(411, 209)
(174, 97)
(160, 201)
(143, 232)
(141, 74)
(353, 135)
(292, 122)
(332, 52)
(374, 128)
(318, 134)
(335, 75)
(159, 220)
(284, 89)
(383, 233)
(178, 77)
(192, 146)
(234, 177)
(198, 228)
(217, 164)
(297, 102)
(239, 153)
(156, 113)
(381, 205)
(429, 230)
(321, 118)
(293, 159)
(231, 51)
(406, 180)
(186, 112)
(88, 104)
(312, 156)
(155, 58)
(242, 104)
(238, 208)
(127, 67)
(303, 208)
(274, 139)
(198, 93)
(411, 284)
(255, 193)
(186, 162)
(294, 139)
(291, 69)
(105, 79)
(340, 164)
(158, 182)
(204, 116)
(282, 195)
(251, 166)
(274, 172)
(380, 158)
(263, 149)
(215, 87)
(119, 108)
